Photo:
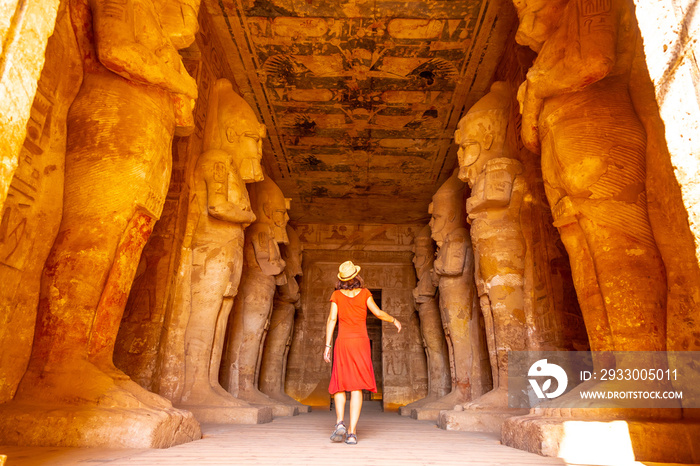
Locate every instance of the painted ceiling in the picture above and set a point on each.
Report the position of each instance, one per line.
(361, 98)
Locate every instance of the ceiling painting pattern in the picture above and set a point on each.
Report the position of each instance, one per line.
(361, 98)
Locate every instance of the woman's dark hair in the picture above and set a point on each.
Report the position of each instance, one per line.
(351, 284)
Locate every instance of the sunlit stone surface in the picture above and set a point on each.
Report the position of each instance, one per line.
(578, 110)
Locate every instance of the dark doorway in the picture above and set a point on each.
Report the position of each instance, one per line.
(374, 331)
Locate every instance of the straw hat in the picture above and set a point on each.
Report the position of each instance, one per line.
(348, 271)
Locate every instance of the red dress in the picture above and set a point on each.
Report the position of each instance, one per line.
(352, 356)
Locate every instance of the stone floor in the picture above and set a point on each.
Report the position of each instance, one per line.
(384, 439)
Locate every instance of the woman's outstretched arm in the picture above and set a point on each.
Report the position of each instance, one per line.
(330, 326)
(381, 315)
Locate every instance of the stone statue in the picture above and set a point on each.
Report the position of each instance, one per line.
(134, 96)
(279, 336)
(263, 269)
(578, 113)
(231, 158)
(493, 207)
(426, 302)
(454, 272)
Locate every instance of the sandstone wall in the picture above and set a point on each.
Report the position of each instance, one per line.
(25, 27)
(666, 94)
(31, 213)
(384, 253)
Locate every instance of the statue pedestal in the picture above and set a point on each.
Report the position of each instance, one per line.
(431, 410)
(408, 409)
(95, 426)
(604, 442)
(428, 413)
(477, 420)
(280, 410)
(230, 414)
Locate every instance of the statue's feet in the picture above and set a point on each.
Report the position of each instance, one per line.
(284, 398)
(217, 388)
(255, 396)
(124, 381)
(206, 395)
(75, 383)
(456, 397)
(420, 403)
(495, 400)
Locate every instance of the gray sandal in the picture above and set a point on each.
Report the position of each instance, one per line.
(351, 439)
(338, 434)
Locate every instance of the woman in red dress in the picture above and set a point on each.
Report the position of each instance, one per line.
(352, 359)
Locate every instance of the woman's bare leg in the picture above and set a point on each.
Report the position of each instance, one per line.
(355, 408)
(339, 399)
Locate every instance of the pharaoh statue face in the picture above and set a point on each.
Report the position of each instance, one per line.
(270, 207)
(243, 139)
(280, 219)
(474, 138)
(538, 20)
(481, 133)
(423, 254)
(179, 20)
(233, 127)
(423, 250)
(292, 253)
(442, 219)
(447, 212)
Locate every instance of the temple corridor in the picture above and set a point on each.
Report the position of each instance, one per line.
(185, 185)
(385, 439)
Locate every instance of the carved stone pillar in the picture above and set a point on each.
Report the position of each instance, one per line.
(432, 333)
(263, 269)
(213, 257)
(497, 190)
(459, 302)
(134, 96)
(578, 113)
(279, 336)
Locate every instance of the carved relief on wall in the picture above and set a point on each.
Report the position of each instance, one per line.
(25, 29)
(386, 237)
(31, 213)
